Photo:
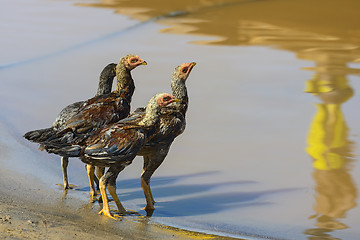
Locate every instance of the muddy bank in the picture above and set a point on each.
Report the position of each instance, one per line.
(37, 213)
(33, 207)
(20, 220)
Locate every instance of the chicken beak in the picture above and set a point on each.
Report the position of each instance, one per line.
(192, 64)
(176, 100)
(144, 63)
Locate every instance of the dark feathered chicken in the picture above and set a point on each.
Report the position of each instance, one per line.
(116, 145)
(105, 83)
(95, 112)
(104, 109)
(172, 124)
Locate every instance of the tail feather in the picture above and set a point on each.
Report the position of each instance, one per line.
(67, 138)
(40, 135)
(65, 150)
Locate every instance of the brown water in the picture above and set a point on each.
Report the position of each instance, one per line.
(271, 145)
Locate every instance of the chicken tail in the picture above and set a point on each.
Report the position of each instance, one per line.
(65, 150)
(40, 135)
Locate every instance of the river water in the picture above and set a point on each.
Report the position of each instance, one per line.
(271, 147)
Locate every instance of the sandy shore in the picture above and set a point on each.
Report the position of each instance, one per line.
(23, 219)
(19, 221)
(31, 208)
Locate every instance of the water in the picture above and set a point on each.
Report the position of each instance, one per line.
(271, 144)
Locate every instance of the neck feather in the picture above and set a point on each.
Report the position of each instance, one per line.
(151, 116)
(105, 85)
(179, 91)
(125, 84)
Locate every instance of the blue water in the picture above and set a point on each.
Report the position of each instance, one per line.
(240, 168)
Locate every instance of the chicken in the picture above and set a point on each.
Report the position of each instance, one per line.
(172, 124)
(93, 113)
(105, 84)
(116, 145)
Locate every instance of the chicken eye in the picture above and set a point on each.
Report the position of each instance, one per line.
(134, 60)
(166, 99)
(184, 70)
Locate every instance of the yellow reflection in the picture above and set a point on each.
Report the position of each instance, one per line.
(228, 18)
(330, 149)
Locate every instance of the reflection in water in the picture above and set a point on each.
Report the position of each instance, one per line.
(330, 148)
(261, 23)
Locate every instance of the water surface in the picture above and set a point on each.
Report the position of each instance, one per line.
(271, 144)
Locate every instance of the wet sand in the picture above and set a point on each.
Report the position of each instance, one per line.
(20, 219)
(31, 209)
(26, 220)
(271, 145)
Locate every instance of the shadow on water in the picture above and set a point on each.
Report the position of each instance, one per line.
(156, 181)
(159, 181)
(184, 199)
(214, 203)
(193, 199)
(178, 190)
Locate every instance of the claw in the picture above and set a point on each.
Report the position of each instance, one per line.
(149, 212)
(107, 214)
(93, 199)
(93, 194)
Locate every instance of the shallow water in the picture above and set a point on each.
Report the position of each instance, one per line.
(271, 144)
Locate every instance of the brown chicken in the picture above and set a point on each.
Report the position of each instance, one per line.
(105, 83)
(172, 124)
(93, 113)
(116, 145)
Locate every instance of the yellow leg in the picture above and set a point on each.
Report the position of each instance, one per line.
(148, 195)
(64, 165)
(151, 163)
(151, 196)
(90, 172)
(112, 191)
(100, 172)
(106, 209)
